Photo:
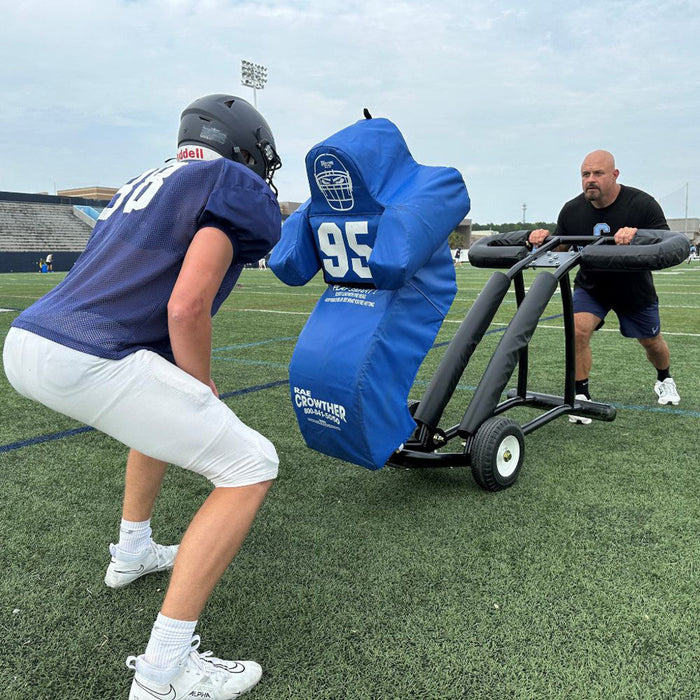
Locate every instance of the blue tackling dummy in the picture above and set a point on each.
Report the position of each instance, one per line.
(377, 224)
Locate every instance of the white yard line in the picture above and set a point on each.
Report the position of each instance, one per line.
(600, 330)
(305, 313)
(273, 311)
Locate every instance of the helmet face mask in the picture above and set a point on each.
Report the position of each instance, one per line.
(233, 128)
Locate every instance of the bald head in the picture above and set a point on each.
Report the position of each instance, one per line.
(600, 158)
(599, 179)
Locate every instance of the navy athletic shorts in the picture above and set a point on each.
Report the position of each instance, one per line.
(643, 323)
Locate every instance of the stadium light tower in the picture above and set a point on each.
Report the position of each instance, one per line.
(253, 75)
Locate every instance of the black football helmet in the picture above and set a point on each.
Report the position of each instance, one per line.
(233, 128)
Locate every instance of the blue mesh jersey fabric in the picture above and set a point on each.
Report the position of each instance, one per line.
(113, 302)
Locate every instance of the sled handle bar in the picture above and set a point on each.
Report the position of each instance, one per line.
(650, 249)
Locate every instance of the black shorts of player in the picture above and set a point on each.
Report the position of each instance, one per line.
(642, 323)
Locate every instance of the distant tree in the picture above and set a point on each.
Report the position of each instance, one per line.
(456, 240)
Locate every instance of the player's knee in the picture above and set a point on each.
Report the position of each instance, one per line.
(262, 487)
(653, 344)
(582, 336)
(257, 464)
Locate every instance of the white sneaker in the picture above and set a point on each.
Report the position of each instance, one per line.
(198, 676)
(581, 419)
(667, 392)
(156, 557)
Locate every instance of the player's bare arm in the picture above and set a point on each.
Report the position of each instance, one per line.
(189, 309)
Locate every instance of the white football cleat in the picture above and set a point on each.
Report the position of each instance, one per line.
(198, 676)
(667, 392)
(580, 419)
(156, 557)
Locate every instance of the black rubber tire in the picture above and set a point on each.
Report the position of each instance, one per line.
(498, 441)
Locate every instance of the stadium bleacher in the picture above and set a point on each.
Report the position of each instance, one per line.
(32, 226)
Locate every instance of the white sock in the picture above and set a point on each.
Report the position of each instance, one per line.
(134, 537)
(170, 641)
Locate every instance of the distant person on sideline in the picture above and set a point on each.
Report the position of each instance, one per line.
(608, 208)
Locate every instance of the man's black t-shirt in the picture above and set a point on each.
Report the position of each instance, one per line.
(622, 291)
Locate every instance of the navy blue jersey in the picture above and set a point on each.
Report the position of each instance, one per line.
(114, 300)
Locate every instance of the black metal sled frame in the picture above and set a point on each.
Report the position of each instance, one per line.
(492, 444)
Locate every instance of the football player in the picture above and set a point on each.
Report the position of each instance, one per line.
(124, 344)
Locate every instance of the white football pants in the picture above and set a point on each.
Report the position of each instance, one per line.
(145, 402)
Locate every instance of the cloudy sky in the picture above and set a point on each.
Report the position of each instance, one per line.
(511, 94)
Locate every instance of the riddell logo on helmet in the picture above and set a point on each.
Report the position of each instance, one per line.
(187, 152)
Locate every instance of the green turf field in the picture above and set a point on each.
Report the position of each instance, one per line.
(580, 581)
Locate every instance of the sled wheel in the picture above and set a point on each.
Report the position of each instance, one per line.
(497, 453)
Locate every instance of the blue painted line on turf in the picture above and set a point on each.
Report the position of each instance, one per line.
(44, 438)
(251, 389)
(657, 409)
(621, 406)
(281, 382)
(271, 385)
(86, 428)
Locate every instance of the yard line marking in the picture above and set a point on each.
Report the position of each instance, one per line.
(252, 363)
(251, 389)
(449, 320)
(239, 392)
(621, 406)
(600, 330)
(39, 439)
(273, 311)
(505, 325)
(240, 346)
(50, 437)
(617, 330)
(44, 438)
(283, 292)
